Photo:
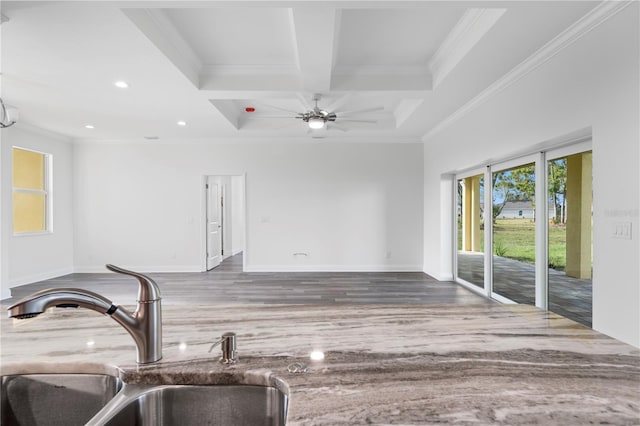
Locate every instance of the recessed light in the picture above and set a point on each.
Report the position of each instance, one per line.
(181, 123)
(121, 84)
(89, 126)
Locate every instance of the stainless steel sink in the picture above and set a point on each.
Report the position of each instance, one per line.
(94, 399)
(195, 405)
(55, 399)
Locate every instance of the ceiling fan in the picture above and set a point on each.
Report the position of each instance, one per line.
(318, 118)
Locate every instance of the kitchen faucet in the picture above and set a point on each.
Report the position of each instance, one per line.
(144, 325)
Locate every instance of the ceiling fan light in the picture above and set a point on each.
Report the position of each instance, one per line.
(316, 123)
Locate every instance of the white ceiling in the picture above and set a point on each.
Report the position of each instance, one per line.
(204, 62)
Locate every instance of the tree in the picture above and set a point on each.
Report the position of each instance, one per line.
(502, 186)
(558, 187)
(517, 184)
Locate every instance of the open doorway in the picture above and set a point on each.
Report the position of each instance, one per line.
(223, 218)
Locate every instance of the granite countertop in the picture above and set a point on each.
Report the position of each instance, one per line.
(384, 364)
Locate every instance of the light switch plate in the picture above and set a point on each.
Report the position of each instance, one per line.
(621, 230)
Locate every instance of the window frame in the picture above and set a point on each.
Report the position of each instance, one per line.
(47, 192)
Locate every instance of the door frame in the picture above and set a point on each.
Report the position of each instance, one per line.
(203, 217)
(468, 173)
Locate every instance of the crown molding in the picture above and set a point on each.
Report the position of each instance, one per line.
(39, 131)
(584, 25)
(469, 30)
(249, 70)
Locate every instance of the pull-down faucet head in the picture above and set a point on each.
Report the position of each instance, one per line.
(144, 325)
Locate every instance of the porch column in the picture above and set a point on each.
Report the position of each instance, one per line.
(475, 213)
(466, 214)
(471, 214)
(578, 225)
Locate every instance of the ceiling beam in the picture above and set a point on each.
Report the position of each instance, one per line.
(473, 25)
(314, 30)
(155, 25)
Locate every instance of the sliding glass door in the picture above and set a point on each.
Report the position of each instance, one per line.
(570, 241)
(470, 235)
(524, 231)
(514, 243)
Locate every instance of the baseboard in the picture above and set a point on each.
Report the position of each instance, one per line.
(16, 282)
(5, 293)
(333, 268)
(146, 269)
(444, 277)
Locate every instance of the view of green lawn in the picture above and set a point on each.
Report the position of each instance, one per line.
(515, 239)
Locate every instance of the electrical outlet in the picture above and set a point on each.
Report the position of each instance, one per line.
(621, 230)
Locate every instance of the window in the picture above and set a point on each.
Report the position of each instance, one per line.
(31, 196)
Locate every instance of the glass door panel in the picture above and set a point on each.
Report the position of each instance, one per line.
(514, 243)
(470, 251)
(570, 237)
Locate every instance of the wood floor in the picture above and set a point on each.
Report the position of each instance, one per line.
(227, 284)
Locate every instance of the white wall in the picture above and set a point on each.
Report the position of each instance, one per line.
(592, 83)
(36, 257)
(349, 206)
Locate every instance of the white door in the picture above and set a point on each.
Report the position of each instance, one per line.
(214, 234)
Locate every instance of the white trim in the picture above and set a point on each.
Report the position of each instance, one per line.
(211, 70)
(502, 299)
(203, 219)
(488, 232)
(591, 20)
(47, 192)
(566, 150)
(468, 31)
(474, 288)
(245, 244)
(158, 28)
(141, 268)
(203, 223)
(454, 227)
(31, 234)
(442, 277)
(29, 279)
(478, 171)
(471, 172)
(541, 233)
(514, 163)
(39, 131)
(335, 268)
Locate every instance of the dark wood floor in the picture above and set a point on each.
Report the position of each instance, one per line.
(227, 284)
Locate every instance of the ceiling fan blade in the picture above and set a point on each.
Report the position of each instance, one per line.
(357, 121)
(339, 102)
(305, 103)
(359, 111)
(336, 126)
(259, 117)
(277, 108)
(284, 126)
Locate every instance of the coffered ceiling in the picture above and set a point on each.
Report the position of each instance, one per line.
(391, 71)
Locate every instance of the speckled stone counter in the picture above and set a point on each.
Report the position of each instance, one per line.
(410, 365)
